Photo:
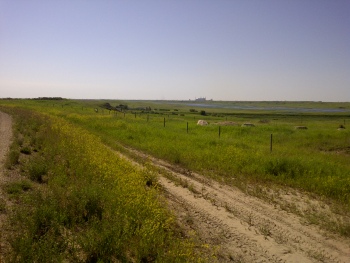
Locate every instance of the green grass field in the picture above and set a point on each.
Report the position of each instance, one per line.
(314, 160)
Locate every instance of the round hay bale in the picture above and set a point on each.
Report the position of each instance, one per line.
(202, 123)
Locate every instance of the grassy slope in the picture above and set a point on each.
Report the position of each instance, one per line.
(82, 203)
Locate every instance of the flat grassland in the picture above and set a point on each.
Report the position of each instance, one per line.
(284, 147)
(315, 159)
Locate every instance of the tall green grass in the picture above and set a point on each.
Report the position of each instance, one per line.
(92, 206)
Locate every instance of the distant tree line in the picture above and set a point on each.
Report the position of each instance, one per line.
(48, 98)
(123, 107)
(39, 98)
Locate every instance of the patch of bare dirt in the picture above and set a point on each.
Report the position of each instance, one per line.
(244, 228)
(5, 140)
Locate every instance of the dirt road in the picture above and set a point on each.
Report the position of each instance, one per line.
(5, 140)
(5, 137)
(245, 228)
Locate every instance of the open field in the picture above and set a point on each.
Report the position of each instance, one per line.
(269, 161)
(315, 160)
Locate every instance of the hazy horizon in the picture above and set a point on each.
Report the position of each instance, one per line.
(176, 100)
(176, 50)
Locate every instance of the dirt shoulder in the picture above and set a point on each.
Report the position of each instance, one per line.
(244, 228)
(5, 141)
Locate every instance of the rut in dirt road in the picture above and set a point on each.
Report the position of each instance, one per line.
(246, 228)
(5, 140)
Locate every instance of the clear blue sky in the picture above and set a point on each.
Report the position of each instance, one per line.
(176, 49)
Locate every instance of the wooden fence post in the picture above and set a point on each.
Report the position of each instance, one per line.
(271, 144)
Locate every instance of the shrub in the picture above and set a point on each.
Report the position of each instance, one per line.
(18, 187)
(20, 140)
(26, 150)
(13, 158)
(37, 170)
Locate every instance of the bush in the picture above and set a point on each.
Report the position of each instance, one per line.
(37, 171)
(12, 159)
(26, 150)
(18, 187)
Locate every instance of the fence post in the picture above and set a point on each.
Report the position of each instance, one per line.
(187, 127)
(219, 131)
(271, 144)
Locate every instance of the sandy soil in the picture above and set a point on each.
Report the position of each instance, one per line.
(245, 228)
(5, 140)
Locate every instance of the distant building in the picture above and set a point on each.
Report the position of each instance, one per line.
(201, 99)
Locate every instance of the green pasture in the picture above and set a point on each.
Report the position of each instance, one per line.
(315, 159)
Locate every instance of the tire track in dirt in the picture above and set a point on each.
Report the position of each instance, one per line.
(247, 229)
(5, 141)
